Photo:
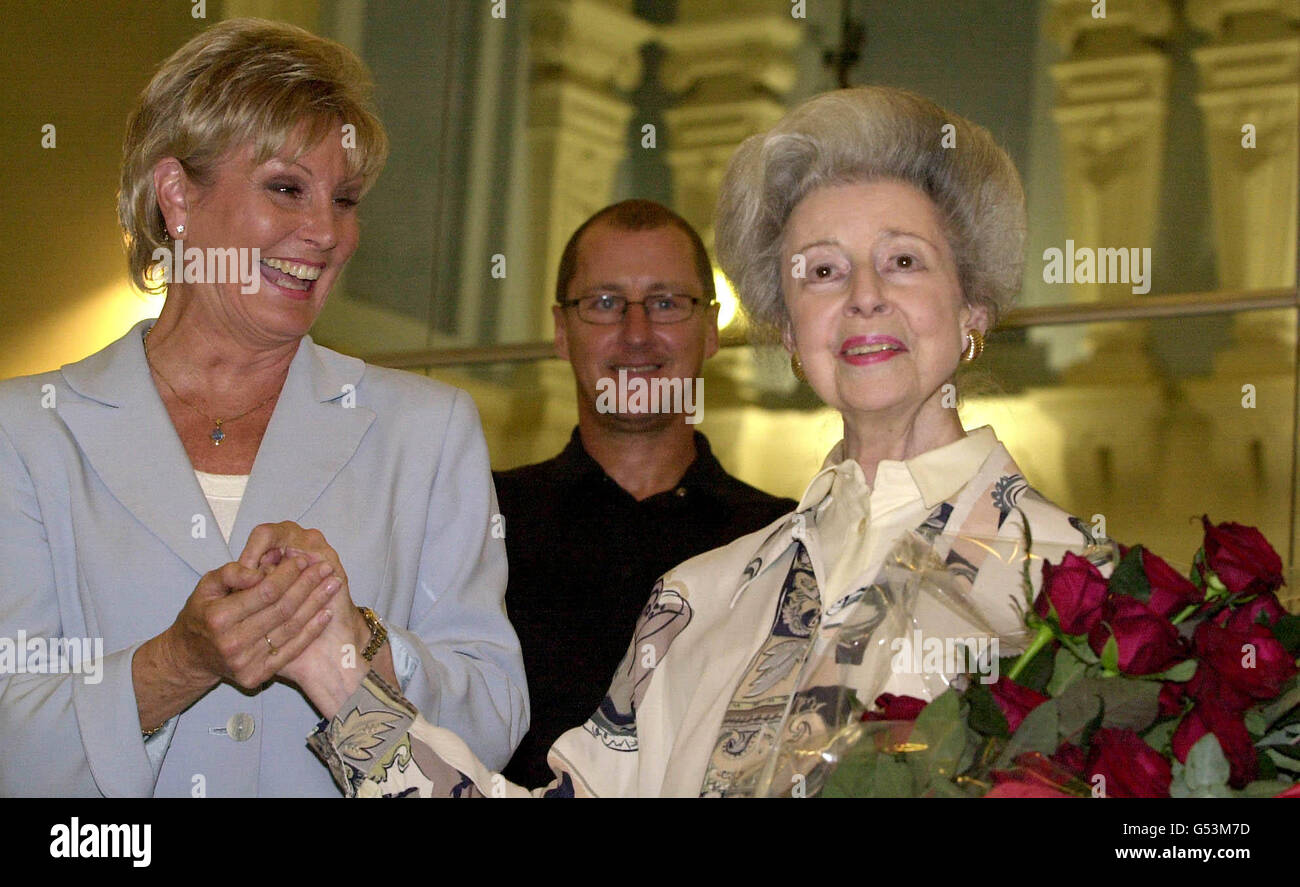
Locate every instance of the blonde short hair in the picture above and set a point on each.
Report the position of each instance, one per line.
(243, 80)
(862, 134)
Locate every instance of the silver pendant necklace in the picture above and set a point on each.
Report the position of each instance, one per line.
(217, 433)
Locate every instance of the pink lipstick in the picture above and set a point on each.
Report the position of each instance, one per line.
(863, 350)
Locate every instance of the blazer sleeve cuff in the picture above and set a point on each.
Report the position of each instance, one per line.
(108, 717)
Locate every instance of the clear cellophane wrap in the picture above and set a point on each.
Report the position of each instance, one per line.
(867, 644)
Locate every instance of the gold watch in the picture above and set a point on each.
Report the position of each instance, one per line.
(378, 634)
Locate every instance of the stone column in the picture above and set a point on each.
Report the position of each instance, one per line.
(1110, 109)
(1111, 103)
(585, 56)
(732, 64)
(1250, 97)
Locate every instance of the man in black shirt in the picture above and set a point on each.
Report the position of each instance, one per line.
(637, 490)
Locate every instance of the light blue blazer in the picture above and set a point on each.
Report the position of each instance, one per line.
(104, 533)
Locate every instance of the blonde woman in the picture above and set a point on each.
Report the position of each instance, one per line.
(162, 505)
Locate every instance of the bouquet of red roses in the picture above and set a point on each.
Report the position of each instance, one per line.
(1146, 684)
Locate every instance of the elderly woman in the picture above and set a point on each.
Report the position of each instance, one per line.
(882, 251)
(153, 497)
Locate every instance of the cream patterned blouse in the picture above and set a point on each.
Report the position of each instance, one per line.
(739, 652)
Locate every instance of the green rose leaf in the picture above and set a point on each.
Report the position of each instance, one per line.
(973, 743)
(1036, 672)
(1282, 762)
(944, 789)
(1206, 764)
(1263, 788)
(940, 728)
(1130, 578)
(876, 775)
(1284, 710)
(1078, 705)
(1161, 736)
(1081, 650)
(854, 776)
(1287, 751)
(1205, 774)
(1183, 671)
(986, 717)
(1287, 632)
(1287, 737)
(1197, 575)
(1038, 732)
(1110, 655)
(1255, 723)
(893, 779)
(1130, 703)
(1068, 669)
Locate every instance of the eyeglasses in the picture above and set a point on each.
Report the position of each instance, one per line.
(608, 309)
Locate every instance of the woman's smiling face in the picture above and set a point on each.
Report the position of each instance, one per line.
(299, 212)
(876, 308)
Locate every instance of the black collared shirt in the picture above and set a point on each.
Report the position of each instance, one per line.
(584, 555)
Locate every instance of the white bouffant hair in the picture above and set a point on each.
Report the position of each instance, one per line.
(864, 134)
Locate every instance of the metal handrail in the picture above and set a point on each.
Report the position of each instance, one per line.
(1147, 308)
(1152, 308)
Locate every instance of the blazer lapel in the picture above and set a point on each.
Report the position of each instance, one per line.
(316, 428)
(124, 431)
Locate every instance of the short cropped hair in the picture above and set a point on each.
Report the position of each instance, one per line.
(635, 215)
(243, 80)
(864, 134)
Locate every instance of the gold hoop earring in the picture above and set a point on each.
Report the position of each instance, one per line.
(974, 346)
(796, 366)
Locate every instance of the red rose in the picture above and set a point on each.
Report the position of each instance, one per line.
(895, 708)
(1171, 591)
(1130, 767)
(1017, 789)
(1076, 590)
(1230, 729)
(1070, 757)
(1249, 659)
(1248, 613)
(1015, 701)
(1242, 558)
(1292, 792)
(1148, 642)
(1171, 698)
(1208, 686)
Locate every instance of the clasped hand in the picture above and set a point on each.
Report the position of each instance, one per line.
(252, 619)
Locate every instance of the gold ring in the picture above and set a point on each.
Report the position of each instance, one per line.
(270, 645)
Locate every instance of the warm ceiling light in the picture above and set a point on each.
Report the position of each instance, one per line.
(728, 304)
